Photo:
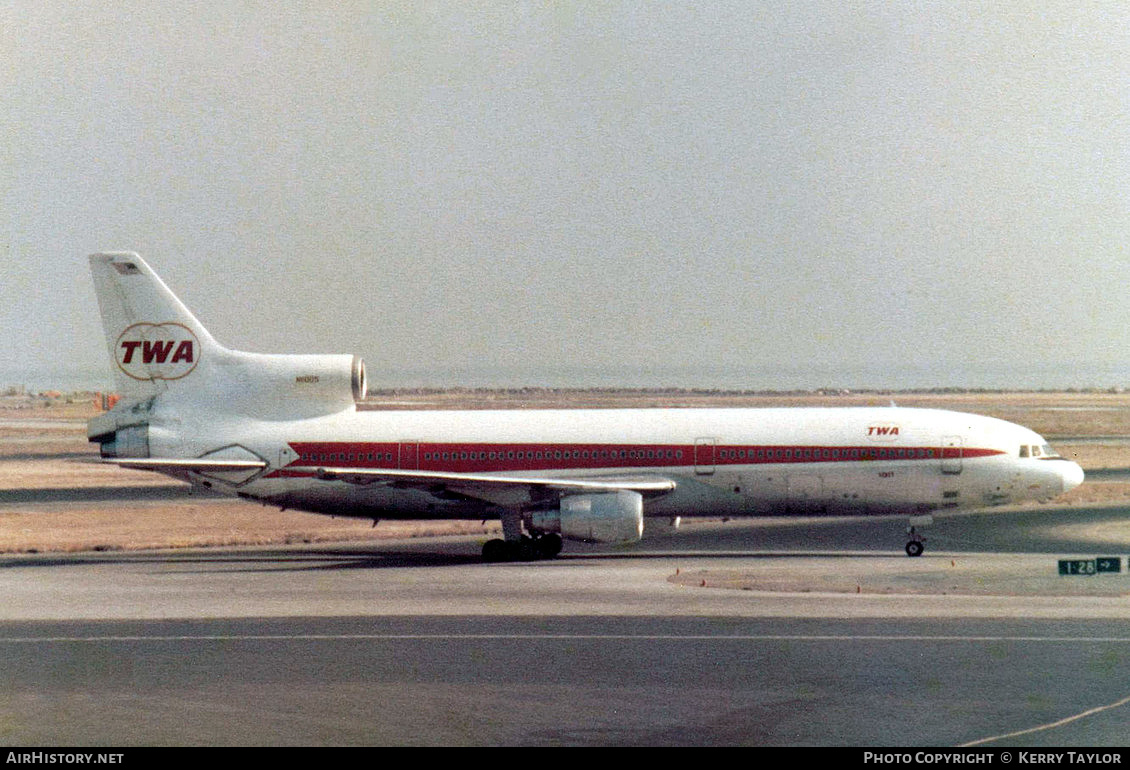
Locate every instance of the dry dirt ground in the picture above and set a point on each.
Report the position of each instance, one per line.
(43, 449)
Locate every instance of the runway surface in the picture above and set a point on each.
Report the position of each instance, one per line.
(825, 634)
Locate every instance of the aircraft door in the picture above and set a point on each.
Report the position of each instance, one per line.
(409, 455)
(952, 452)
(704, 456)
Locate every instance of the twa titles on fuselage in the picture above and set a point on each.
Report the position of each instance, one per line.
(285, 430)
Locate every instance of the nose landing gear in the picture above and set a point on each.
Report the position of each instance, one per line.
(915, 543)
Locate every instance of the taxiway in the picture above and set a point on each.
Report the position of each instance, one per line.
(789, 632)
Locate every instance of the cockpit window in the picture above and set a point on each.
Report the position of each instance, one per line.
(1049, 452)
(1035, 451)
(1024, 450)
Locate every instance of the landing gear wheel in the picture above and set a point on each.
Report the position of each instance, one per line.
(914, 548)
(549, 545)
(526, 549)
(495, 550)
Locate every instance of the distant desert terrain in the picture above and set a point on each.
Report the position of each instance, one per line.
(45, 458)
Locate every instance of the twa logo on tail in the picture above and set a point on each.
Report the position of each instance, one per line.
(165, 351)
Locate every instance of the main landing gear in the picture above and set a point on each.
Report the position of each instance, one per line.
(525, 549)
(517, 545)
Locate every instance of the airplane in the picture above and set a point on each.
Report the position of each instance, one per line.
(286, 431)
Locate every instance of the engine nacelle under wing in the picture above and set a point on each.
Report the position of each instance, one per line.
(610, 517)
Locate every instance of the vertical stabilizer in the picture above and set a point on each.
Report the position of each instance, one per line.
(154, 341)
(167, 366)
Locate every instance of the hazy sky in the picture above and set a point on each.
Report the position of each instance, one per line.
(792, 193)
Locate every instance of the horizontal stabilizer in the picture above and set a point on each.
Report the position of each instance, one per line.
(199, 465)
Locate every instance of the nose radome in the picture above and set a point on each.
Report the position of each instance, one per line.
(1072, 476)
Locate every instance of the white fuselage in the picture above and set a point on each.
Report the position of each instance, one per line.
(725, 462)
(286, 430)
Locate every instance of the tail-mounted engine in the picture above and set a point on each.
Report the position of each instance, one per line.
(284, 386)
(331, 379)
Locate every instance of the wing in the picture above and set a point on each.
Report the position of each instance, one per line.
(499, 490)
